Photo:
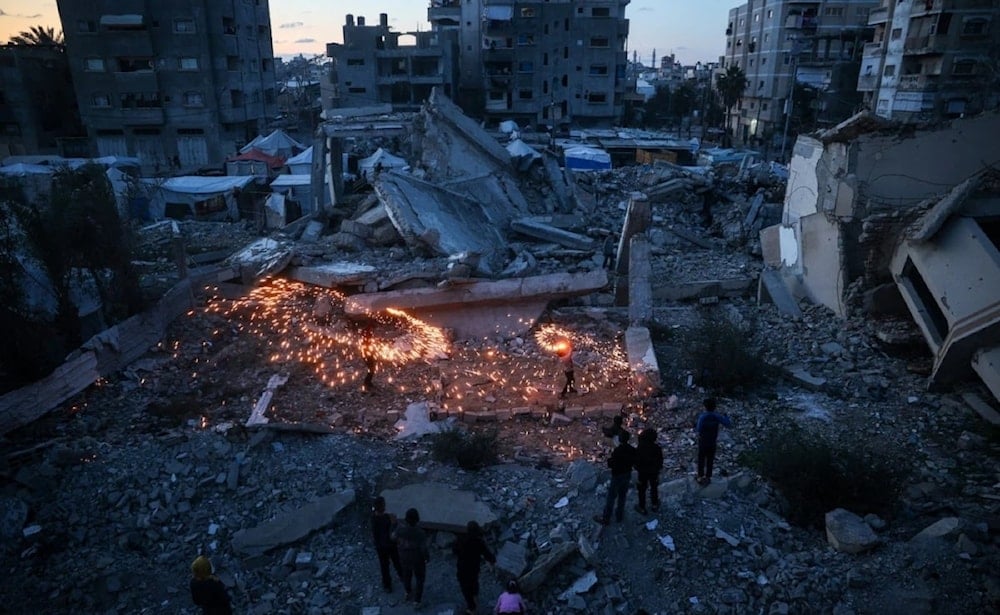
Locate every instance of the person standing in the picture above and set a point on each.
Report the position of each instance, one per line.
(510, 601)
(649, 462)
(470, 550)
(207, 591)
(368, 354)
(609, 251)
(383, 525)
(621, 462)
(413, 555)
(565, 354)
(707, 429)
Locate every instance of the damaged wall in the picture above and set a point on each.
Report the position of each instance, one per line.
(836, 180)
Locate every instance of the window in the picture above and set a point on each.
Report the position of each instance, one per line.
(767, 37)
(977, 26)
(232, 62)
(188, 63)
(890, 70)
(599, 69)
(756, 17)
(963, 67)
(763, 106)
(134, 65)
(742, 21)
(267, 65)
(760, 86)
(527, 12)
(525, 39)
(599, 41)
(896, 34)
(193, 99)
(184, 26)
(525, 94)
(833, 11)
(600, 12)
(597, 97)
(228, 26)
(236, 98)
(525, 67)
(355, 61)
(102, 101)
(94, 65)
(139, 100)
(86, 26)
(357, 90)
(763, 61)
(770, 13)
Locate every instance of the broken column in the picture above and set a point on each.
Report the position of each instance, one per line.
(642, 361)
(638, 219)
(640, 296)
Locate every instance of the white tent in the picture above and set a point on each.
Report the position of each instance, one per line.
(200, 197)
(278, 143)
(383, 160)
(302, 163)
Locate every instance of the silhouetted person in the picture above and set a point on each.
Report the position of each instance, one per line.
(413, 555)
(649, 462)
(565, 354)
(707, 428)
(369, 356)
(383, 525)
(621, 462)
(470, 551)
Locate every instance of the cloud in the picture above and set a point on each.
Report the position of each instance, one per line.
(293, 24)
(644, 9)
(4, 13)
(306, 40)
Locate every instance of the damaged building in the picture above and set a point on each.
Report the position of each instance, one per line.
(872, 219)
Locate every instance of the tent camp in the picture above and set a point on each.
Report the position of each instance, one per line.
(254, 162)
(302, 163)
(296, 188)
(204, 198)
(278, 143)
(381, 159)
(582, 158)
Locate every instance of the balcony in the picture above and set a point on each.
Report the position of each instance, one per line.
(497, 105)
(878, 16)
(917, 83)
(147, 116)
(807, 23)
(924, 45)
(867, 83)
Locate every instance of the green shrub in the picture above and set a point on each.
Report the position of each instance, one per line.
(724, 355)
(816, 476)
(471, 451)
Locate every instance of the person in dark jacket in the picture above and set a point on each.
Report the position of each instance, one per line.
(649, 462)
(413, 555)
(707, 429)
(383, 525)
(621, 462)
(470, 550)
(207, 591)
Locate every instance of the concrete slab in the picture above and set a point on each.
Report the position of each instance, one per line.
(773, 288)
(734, 287)
(986, 363)
(291, 527)
(640, 271)
(441, 506)
(482, 309)
(535, 577)
(512, 559)
(331, 275)
(540, 230)
(982, 408)
(642, 361)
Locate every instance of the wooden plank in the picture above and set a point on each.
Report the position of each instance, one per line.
(26, 404)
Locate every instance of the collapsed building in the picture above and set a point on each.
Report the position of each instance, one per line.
(899, 221)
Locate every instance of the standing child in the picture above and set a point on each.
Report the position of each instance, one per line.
(510, 602)
(413, 555)
(707, 428)
(383, 525)
(649, 462)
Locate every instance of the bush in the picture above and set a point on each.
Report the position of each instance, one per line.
(724, 355)
(816, 476)
(471, 451)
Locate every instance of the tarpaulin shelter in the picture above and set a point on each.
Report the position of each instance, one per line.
(254, 162)
(381, 159)
(295, 187)
(583, 158)
(278, 143)
(204, 198)
(301, 164)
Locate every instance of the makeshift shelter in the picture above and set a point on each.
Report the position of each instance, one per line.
(296, 188)
(583, 158)
(278, 143)
(301, 164)
(204, 198)
(381, 160)
(255, 163)
(522, 154)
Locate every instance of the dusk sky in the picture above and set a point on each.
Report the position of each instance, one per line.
(693, 30)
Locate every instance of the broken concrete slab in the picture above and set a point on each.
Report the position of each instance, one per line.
(640, 271)
(331, 275)
(691, 237)
(263, 257)
(481, 309)
(452, 144)
(800, 375)
(735, 287)
(498, 193)
(982, 408)
(533, 227)
(772, 288)
(441, 506)
(535, 577)
(444, 222)
(986, 363)
(642, 361)
(512, 559)
(290, 527)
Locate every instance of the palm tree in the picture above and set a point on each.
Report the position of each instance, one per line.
(38, 35)
(731, 85)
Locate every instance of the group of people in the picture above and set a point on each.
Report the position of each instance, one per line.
(405, 546)
(647, 460)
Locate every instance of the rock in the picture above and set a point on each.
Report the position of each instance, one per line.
(581, 585)
(732, 540)
(714, 490)
(293, 526)
(535, 577)
(848, 533)
(733, 595)
(512, 559)
(582, 475)
(875, 522)
(949, 526)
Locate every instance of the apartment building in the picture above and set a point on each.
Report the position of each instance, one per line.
(37, 110)
(780, 42)
(541, 62)
(932, 59)
(375, 65)
(177, 83)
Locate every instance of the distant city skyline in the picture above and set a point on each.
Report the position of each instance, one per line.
(692, 31)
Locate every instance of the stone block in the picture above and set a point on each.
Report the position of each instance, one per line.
(574, 412)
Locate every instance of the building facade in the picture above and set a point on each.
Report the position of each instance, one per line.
(179, 84)
(932, 59)
(780, 42)
(38, 113)
(375, 65)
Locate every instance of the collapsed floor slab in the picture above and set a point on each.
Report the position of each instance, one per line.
(441, 506)
(483, 309)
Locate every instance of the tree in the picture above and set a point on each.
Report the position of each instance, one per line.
(731, 85)
(39, 35)
(657, 108)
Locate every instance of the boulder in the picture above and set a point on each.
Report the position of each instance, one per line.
(848, 533)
